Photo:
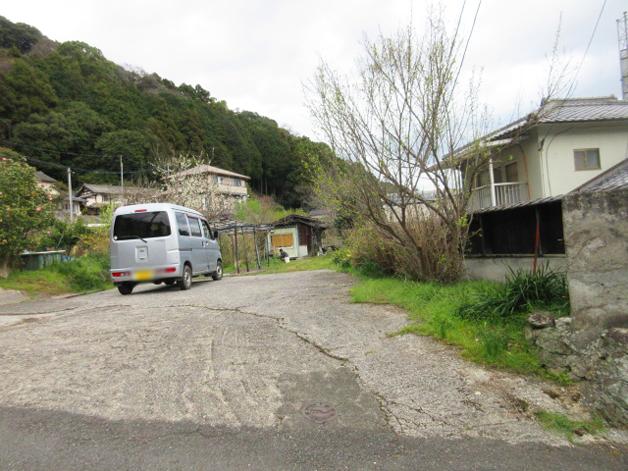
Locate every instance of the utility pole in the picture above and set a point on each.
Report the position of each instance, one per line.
(70, 194)
(122, 178)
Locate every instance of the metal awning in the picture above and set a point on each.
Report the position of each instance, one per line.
(521, 204)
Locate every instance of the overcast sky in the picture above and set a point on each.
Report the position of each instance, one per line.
(257, 54)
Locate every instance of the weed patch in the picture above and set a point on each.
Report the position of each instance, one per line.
(277, 266)
(85, 273)
(433, 310)
(569, 428)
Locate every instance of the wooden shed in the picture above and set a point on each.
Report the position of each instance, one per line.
(299, 236)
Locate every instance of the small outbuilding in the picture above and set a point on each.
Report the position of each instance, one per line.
(298, 235)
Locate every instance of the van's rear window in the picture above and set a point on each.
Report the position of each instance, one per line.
(141, 225)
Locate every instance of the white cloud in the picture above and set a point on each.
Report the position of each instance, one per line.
(256, 54)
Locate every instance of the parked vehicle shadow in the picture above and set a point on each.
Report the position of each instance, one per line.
(153, 288)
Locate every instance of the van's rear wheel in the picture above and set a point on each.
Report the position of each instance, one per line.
(126, 288)
(185, 282)
(217, 275)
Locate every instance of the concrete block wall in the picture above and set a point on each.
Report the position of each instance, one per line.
(496, 268)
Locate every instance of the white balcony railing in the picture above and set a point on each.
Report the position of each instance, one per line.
(506, 194)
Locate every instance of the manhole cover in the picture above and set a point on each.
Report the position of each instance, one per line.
(319, 412)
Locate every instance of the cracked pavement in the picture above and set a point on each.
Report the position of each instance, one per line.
(222, 375)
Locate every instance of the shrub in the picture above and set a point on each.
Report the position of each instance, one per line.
(375, 252)
(342, 258)
(524, 290)
(96, 239)
(85, 273)
(61, 235)
(24, 207)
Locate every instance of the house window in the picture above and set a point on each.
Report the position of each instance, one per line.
(587, 159)
(482, 179)
(512, 175)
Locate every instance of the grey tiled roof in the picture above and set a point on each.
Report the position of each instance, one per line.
(568, 110)
(200, 169)
(44, 178)
(111, 189)
(564, 111)
(583, 109)
(615, 178)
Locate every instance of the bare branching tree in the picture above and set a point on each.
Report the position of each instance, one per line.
(398, 128)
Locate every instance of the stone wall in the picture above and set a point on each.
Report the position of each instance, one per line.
(596, 241)
(601, 364)
(592, 344)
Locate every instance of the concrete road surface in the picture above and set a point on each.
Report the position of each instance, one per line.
(260, 372)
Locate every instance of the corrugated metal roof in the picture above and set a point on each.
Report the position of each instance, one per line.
(204, 168)
(521, 204)
(615, 178)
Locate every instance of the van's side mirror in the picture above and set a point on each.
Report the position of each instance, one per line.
(215, 234)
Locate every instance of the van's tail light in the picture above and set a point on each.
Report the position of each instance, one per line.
(117, 274)
(170, 269)
(140, 210)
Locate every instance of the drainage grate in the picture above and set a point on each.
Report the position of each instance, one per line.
(319, 412)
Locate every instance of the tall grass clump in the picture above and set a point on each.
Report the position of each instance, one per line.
(523, 291)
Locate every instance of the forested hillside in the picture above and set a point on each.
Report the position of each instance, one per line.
(66, 104)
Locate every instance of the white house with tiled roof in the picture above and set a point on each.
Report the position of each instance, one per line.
(228, 183)
(552, 151)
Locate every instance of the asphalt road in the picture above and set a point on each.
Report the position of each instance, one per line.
(260, 372)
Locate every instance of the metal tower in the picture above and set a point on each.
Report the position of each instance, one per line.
(622, 35)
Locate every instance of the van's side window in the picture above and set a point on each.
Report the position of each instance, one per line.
(208, 231)
(195, 226)
(182, 224)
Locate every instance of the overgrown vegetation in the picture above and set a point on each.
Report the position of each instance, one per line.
(495, 338)
(262, 210)
(87, 273)
(569, 428)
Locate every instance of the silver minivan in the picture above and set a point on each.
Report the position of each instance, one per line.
(161, 243)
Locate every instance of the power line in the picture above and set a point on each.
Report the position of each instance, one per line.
(52, 149)
(466, 46)
(75, 169)
(586, 51)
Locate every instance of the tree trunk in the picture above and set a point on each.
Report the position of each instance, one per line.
(5, 266)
